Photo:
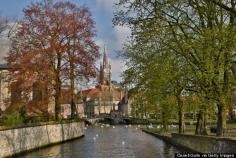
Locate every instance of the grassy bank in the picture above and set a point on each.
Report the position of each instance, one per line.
(230, 132)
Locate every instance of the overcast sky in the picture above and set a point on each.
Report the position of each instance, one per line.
(102, 12)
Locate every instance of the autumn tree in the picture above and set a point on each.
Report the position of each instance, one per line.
(52, 40)
(82, 52)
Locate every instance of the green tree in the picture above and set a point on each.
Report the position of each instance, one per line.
(200, 32)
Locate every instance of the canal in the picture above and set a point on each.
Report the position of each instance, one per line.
(109, 142)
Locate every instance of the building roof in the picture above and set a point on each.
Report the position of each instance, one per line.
(66, 96)
(117, 93)
(4, 67)
(91, 93)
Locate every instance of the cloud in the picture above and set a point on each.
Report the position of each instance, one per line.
(115, 42)
(122, 33)
(101, 43)
(107, 5)
(117, 67)
(5, 41)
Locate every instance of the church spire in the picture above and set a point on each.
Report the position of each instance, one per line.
(105, 59)
(105, 70)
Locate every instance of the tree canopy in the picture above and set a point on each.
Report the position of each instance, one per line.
(181, 48)
(54, 42)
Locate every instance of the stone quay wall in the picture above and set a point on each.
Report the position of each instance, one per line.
(205, 144)
(18, 140)
(198, 143)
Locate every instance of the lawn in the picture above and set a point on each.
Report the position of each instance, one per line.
(190, 129)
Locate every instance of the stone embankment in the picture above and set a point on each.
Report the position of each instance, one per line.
(18, 140)
(198, 143)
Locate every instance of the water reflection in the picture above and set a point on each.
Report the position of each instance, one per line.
(168, 151)
(109, 142)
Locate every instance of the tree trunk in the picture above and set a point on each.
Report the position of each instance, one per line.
(73, 101)
(57, 97)
(99, 109)
(197, 130)
(221, 120)
(180, 114)
(221, 104)
(204, 125)
(164, 121)
(104, 103)
(201, 123)
(72, 91)
(57, 72)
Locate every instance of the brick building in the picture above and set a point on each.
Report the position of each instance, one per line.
(106, 97)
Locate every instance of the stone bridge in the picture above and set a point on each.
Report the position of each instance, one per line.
(92, 121)
(109, 120)
(116, 120)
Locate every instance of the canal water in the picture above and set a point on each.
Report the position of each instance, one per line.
(109, 142)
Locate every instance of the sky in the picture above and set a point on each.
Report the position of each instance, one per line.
(102, 11)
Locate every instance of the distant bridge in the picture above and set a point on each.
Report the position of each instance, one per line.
(92, 121)
(112, 120)
(117, 120)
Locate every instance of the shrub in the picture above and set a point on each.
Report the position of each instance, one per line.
(13, 119)
(36, 119)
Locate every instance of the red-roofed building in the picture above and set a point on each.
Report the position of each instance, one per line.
(107, 96)
(66, 104)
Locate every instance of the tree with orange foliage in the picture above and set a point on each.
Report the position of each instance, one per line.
(52, 40)
(81, 55)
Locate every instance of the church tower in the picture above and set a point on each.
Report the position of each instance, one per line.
(105, 70)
